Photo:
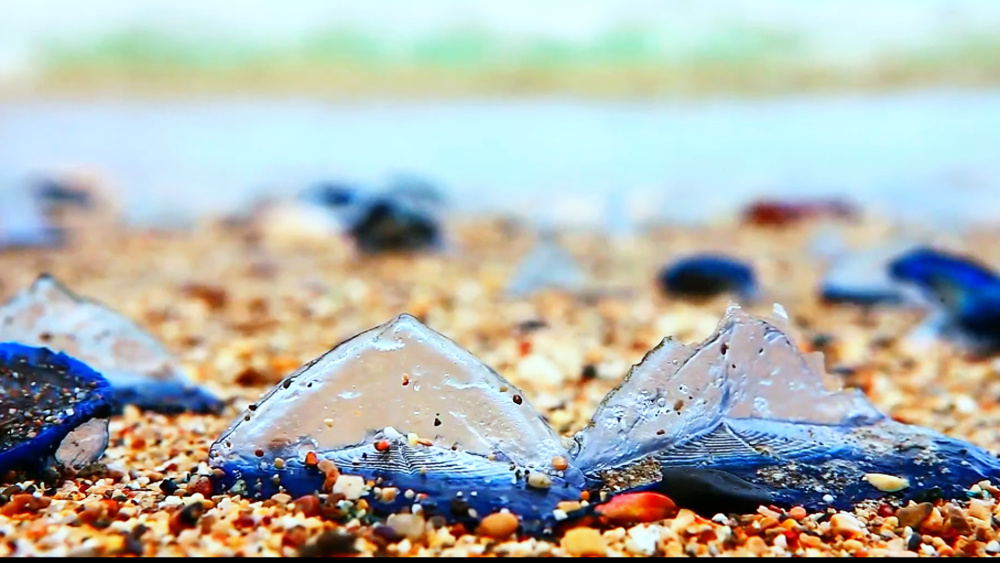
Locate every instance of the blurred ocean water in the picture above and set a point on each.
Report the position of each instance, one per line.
(930, 156)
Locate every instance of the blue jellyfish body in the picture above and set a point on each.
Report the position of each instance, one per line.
(24, 223)
(967, 291)
(45, 397)
(706, 276)
(400, 218)
(742, 419)
(141, 371)
(746, 417)
(406, 408)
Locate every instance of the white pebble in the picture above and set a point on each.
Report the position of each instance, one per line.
(887, 483)
(539, 480)
(351, 486)
(541, 370)
(642, 540)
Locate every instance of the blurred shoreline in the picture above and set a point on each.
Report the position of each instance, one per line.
(669, 51)
(928, 156)
(626, 80)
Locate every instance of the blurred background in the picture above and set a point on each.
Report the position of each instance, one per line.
(561, 111)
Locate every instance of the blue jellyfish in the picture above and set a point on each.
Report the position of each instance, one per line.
(406, 408)
(746, 418)
(966, 293)
(55, 408)
(707, 275)
(140, 370)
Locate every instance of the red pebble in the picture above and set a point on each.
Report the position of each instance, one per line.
(779, 213)
(636, 508)
(309, 505)
(24, 503)
(201, 484)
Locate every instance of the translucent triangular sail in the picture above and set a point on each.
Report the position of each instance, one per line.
(747, 369)
(547, 266)
(398, 378)
(48, 314)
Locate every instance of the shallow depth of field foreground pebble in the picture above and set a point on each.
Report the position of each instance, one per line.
(242, 309)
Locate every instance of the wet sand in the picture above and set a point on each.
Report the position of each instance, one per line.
(242, 309)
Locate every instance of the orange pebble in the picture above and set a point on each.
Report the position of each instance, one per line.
(798, 512)
(634, 508)
(311, 459)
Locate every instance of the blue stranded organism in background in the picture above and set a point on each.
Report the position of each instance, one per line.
(709, 275)
(406, 407)
(746, 417)
(402, 217)
(52, 193)
(548, 266)
(967, 292)
(740, 420)
(55, 409)
(24, 223)
(140, 370)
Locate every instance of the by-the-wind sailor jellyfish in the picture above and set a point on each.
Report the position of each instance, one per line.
(140, 370)
(51, 407)
(965, 293)
(745, 418)
(403, 217)
(708, 275)
(406, 407)
(547, 266)
(23, 222)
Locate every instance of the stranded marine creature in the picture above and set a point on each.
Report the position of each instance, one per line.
(401, 218)
(140, 370)
(52, 408)
(966, 293)
(706, 276)
(742, 419)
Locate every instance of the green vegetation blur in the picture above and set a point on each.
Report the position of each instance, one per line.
(622, 62)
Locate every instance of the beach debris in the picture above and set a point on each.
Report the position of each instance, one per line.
(402, 217)
(55, 194)
(140, 370)
(704, 276)
(548, 266)
(54, 411)
(964, 293)
(24, 223)
(754, 416)
(411, 411)
(777, 212)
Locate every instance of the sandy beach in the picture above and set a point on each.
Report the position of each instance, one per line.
(243, 308)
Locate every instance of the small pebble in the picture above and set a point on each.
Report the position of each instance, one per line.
(499, 525)
(636, 508)
(584, 541)
(846, 525)
(351, 486)
(912, 515)
(539, 480)
(410, 526)
(886, 483)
